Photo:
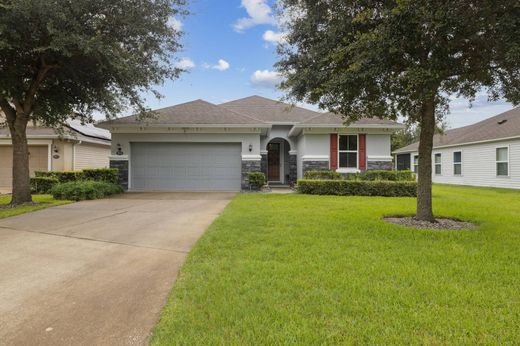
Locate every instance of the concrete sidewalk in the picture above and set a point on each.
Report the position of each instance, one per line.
(97, 272)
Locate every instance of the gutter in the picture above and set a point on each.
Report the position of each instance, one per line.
(458, 144)
(296, 129)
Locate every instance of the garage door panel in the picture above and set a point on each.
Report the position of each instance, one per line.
(186, 166)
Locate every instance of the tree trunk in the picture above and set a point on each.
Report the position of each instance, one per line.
(424, 187)
(21, 183)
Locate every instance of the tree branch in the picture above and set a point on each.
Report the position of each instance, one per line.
(35, 85)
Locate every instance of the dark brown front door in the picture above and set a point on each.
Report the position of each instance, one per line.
(273, 162)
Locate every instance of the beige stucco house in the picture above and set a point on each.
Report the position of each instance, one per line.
(78, 147)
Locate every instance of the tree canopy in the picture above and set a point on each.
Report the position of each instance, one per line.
(61, 56)
(384, 58)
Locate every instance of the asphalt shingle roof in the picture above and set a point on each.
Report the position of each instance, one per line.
(253, 110)
(269, 111)
(504, 125)
(335, 119)
(194, 112)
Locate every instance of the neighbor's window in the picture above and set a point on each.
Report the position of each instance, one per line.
(457, 163)
(348, 151)
(416, 163)
(438, 164)
(503, 161)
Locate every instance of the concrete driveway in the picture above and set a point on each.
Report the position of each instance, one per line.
(97, 272)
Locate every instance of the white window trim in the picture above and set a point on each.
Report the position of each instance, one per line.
(413, 163)
(435, 164)
(456, 163)
(349, 169)
(508, 159)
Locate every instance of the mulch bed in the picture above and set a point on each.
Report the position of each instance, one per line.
(441, 224)
(9, 206)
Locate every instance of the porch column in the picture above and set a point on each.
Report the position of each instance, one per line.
(263, 162)
(250, 163)
(121, 163)
(292, 167)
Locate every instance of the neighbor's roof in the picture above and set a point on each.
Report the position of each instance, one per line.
(73, 130)
(198, 112)
(335, 119)
(504, 125)
(269, 111)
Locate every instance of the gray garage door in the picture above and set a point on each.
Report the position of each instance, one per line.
(185, 166)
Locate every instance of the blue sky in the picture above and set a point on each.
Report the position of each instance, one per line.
(229, 52)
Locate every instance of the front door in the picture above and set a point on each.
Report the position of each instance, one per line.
(273, 162)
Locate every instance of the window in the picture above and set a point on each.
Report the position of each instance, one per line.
(503, 162)
(348, 151)
(416, 163)
(457, 163)
(438, 164)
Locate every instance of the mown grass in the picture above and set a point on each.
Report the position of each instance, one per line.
(295, 269)
(41, 202)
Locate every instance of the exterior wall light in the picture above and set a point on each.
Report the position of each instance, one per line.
(119, 150)
(250, 147)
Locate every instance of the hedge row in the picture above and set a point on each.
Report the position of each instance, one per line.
(371, 175)
(109, 175)
(42, 184)
(82, 190)
(358, 188)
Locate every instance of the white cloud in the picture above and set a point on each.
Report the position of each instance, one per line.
(259, 13)
(266, 79)
(185, 64)
(274, 37)
(175, 23)
(221, 65)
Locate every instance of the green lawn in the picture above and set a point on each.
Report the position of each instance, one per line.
(294, 269)
(45, 200)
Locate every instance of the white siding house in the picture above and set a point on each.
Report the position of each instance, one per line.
(460, 158)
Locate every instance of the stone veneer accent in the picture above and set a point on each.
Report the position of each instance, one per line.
(249, 166)
(292, 169)
(263, 164)
(122, 166)
(380, 165)
(315, 166)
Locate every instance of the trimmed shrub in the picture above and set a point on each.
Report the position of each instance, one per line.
(81, 190)
(322, 175)
(109, 175)
(388, 175)
(256, 179)
(358, 188)
(63, 177)
(42, 184)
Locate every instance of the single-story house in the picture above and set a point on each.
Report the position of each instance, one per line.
(202, 146)
(483, 154)
(77, 147)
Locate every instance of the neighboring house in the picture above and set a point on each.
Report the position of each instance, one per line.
(78, 147)
(207, 147)
(483, 154)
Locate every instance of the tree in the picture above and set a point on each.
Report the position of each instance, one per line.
(63, 56)
(411, 134)
(400, 58)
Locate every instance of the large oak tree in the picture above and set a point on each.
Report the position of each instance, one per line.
(63, 56)
(401, 58)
